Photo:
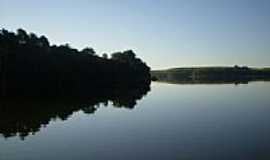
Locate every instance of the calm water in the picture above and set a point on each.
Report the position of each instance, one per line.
(171, 122)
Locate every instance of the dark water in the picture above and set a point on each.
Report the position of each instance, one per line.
(171, 122)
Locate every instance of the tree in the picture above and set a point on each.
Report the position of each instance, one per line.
(44, 41)
(30, 66)
(129, 54)
(105, 55)
(116, 56)
(22, 36)
(33, 39)
(88, 50)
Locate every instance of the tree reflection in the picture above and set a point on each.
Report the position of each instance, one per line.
(22, 117)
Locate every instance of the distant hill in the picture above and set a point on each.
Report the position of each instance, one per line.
(234, 74)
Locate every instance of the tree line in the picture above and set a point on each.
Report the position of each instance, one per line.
(30, 65)
(235, 74)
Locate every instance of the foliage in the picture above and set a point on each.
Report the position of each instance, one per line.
(31, 66)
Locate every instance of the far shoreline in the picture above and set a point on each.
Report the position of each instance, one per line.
(210, 75)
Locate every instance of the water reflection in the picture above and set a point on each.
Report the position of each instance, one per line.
(22, 117)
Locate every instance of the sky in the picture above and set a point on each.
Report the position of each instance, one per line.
(164, 33)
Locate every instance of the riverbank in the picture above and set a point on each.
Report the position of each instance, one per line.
(234, 74)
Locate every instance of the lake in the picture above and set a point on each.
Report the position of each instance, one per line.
(172, 121)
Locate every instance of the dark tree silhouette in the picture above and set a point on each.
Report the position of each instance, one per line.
(88, 50)
(30, 66)
(105, 56)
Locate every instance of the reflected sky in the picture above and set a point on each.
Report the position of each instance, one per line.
(171, 122)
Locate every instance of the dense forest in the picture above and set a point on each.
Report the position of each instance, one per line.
(31, 66)
(209, 75)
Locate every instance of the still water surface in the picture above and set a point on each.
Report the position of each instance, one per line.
(171, 122)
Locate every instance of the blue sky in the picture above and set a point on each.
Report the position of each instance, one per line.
(164, 33)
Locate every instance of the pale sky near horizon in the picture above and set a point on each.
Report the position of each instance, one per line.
(164, 33)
